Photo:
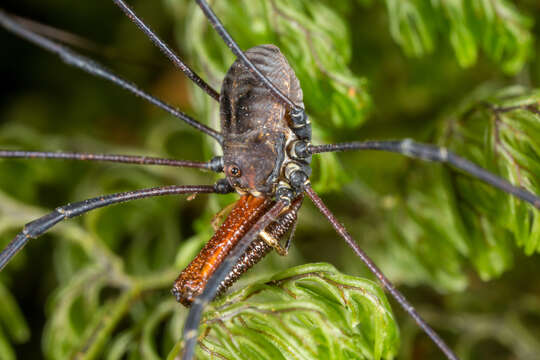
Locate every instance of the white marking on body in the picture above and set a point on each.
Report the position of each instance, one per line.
(273, 242)
(256, 193)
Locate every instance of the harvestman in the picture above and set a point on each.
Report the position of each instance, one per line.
(266, 142)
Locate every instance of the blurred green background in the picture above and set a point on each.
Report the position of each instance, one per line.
(465, 255)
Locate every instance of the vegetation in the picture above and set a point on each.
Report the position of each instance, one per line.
(460, 74)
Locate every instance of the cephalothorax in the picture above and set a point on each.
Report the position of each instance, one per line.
(266, 141)
(259, 136)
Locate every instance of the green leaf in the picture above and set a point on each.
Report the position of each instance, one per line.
(448, 220)
(496, 27)
(306, 312)
(511, 148)
(5, 347)
(11, 317)
(410, 26)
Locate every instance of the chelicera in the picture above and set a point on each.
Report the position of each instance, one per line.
(266, 142)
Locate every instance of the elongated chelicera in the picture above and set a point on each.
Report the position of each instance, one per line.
(266, 143)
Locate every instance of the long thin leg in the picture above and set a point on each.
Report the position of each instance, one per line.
(340, 229)
(165, 49)
(37, 227)
(220, 29)
(432, 153)
(78, 42)
(194, 317)
(213, 165)
(72, 58)
(59, 35)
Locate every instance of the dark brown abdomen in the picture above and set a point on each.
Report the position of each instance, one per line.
(246, 104)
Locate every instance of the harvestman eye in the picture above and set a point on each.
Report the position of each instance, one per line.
(234, 171)
(273, 213)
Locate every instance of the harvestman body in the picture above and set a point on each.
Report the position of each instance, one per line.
(258, 162)
(266, 141)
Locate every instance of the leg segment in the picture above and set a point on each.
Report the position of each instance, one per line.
(44, 223)
(165, 49)
(340, 229)
(427, 152)
(213, 165)
(72, 58)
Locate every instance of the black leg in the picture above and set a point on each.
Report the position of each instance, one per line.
(432, 153)
(165, 49)
(214, 165)
(37, 227)
(194, 317)
(90, 66)
(340, 229)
